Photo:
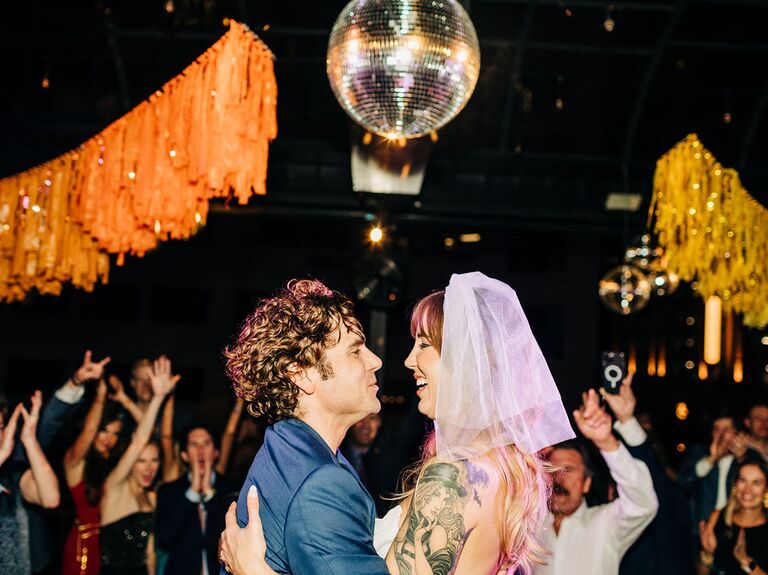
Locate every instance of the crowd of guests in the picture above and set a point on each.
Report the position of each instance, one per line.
(146, 483)
(149, 487)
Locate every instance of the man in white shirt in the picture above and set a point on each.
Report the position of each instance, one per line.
(592, 541)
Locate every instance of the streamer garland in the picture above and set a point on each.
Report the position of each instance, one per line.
(147, 177)
(711, 229)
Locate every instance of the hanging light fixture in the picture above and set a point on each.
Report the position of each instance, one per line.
(713, 314)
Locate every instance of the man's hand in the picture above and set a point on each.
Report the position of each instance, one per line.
(90, 370)
(623, 403)
(206, 483)
(31, 418)
(243, 550)
(718, 448)
(595, 423)
(9, 435)
(738, 444)
(163, 381)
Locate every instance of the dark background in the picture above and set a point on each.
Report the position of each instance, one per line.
(530, 178)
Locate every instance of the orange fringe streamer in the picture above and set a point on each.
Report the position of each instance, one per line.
(712, 230)
(148, 177)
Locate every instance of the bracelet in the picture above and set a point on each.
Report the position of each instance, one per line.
(748, 566)
(707, 559)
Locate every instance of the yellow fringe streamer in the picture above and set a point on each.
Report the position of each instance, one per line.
(712, 230)
(148, 177)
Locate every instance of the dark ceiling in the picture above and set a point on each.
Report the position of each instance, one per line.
(511, 158)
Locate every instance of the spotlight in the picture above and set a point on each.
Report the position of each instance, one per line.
(376, 234)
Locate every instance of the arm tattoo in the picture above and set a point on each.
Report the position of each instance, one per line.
(435, 524)
(476, 476)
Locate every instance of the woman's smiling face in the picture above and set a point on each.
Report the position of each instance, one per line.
(424, 361)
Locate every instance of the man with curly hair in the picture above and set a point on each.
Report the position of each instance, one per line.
(301, 363)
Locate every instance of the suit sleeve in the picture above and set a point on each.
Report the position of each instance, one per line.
(328, 527)
(174, 511)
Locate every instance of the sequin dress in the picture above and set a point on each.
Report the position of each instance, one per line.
(14, 528)
(124, 545)
(82, 553)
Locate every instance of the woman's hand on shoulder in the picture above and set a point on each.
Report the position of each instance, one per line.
(244, 549)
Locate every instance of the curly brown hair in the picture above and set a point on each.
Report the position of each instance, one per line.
(291, 330)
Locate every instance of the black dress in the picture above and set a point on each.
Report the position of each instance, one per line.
(124, 545)
(757, 546)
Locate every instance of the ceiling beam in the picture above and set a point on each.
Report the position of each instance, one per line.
(753, 125)
(642, 93)
(515, 87)
(117, 59)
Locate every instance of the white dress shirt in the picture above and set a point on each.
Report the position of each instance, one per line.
(593, 540)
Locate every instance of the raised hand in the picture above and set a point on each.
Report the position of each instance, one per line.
(718, 448)
(118, 394)
(31, 417)
(90, 370)
(163, 381)
(9, 435)
(595, 423)
(623, 403)
(737, 444)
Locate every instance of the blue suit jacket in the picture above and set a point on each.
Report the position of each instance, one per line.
(317, 516)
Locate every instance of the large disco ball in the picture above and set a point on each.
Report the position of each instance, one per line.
(625, 289)
(402, 68)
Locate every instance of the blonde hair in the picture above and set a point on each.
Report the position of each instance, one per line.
(525, 480)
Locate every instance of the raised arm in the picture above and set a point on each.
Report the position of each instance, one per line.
(118, 395)
(637, 503)
(77, 451)
(38, 484)
(9, 435)
(163, 383)
(66, 400)
(228, 438)
(170, 460)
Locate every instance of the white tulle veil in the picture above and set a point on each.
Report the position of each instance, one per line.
(495, 387)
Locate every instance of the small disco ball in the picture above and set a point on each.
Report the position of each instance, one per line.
(625, 289)
(403, 68)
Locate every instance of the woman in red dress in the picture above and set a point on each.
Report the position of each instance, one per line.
(86, 464)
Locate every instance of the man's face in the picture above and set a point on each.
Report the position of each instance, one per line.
(757, 422)
(200, 447)
(723, 429)
(571, 484)
(141, 383)
(365, 431)
(349, 388)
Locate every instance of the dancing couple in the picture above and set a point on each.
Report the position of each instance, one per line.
(477, 501)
